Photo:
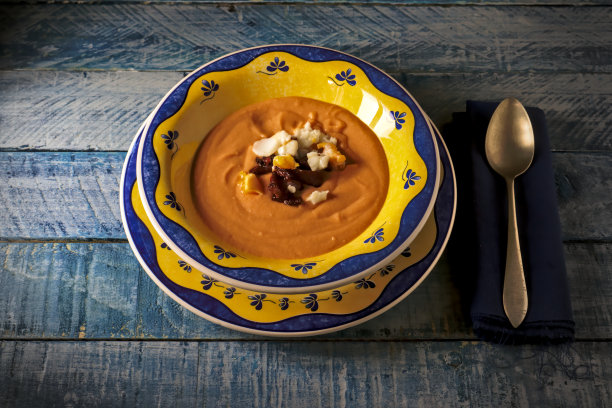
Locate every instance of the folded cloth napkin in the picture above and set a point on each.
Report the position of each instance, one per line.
(477, 250)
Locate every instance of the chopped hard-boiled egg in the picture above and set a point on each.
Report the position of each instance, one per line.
(317, 161)
(317, 196)
(266, 147)
(328, 139)
(282, 136)
(307, 136)
(299, 145)
(337, 160)
(290, 147)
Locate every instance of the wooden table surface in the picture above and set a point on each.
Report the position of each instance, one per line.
(83, 325)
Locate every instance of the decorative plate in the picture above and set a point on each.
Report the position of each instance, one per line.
(285, 314)
(196, 104)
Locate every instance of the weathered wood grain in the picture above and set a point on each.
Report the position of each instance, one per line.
(406, 374)
(590, 294)
(60, 374)
(578, 107)
(71, 196)
(303, 374)
(575, 175)
(68, 110)
(99, 291)
(318, 2)
(428, 38)
(77, 110)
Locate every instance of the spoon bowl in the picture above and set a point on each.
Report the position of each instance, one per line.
(509, 146)
(510, 141)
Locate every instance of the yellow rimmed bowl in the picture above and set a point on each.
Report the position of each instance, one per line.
(182, 119)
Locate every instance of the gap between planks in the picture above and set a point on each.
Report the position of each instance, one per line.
(313, 339)
(64, 111)
(470, 38)
(595, 241)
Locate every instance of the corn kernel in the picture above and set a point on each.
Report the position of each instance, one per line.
(249, 183)
(284, 162)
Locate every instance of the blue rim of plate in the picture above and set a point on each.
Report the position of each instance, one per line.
(261, 279)
(309, 324)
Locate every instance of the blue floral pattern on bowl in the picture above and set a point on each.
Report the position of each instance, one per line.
(222, 253)
(209, 89)
(337, 295)
(207, 282)
(311, 302)
(410, 178)
(230, 292)
(376, 236)
(398, 118)
(343, 76)
(386, 270)
(304, 267)
(365, 283)
(275, 66)
(257, 300)
(172, 201)
(184, 265)
(170, 141)
(283, 303)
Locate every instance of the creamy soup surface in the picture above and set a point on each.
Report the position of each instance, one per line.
(254, 224)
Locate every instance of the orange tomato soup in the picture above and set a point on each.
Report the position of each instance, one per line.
(254, 224)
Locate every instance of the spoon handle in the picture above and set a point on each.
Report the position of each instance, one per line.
(515, 289)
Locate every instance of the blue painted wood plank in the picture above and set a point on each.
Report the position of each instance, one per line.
(68, 110)
(575, 175)
(577, 106)
(416, 39)
(406, 374)
(60, 110)
(303, 374)
(585, 262)
(51, 195)
(60, 374)
(98, 291)
(319, 2)
(70, 196)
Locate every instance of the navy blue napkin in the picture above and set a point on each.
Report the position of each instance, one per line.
(477, 249)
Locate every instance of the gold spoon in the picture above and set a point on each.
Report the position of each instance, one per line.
(509, 146)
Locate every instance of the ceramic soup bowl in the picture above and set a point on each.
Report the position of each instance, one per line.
(181, 121)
